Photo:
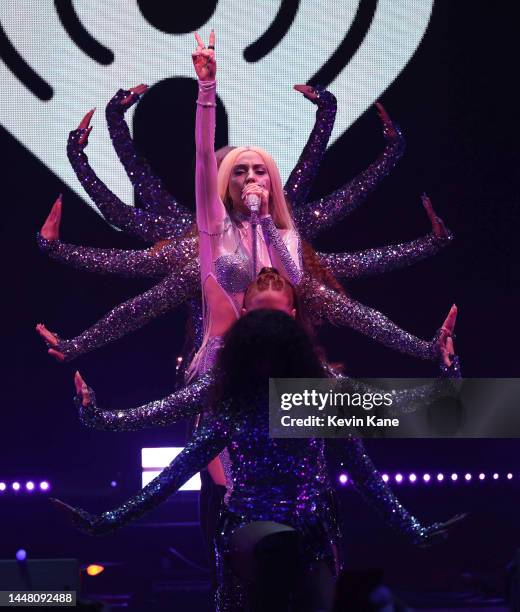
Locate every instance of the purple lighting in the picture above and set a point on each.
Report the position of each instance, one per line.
(29, 485)
(3, 486)
(399, 478)
(385, 477)
(509, 476)
(481, 476)
(467, 477)
(426, 478)
(412, 477)
(440, 477)
(113, 484)
(21, 555)
(343, 478)
(454, 477)
(495, 476)
(16, 486)
(44, 485)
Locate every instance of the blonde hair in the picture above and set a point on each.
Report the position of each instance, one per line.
(278, 206)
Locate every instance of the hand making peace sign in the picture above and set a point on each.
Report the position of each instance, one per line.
(204, 58)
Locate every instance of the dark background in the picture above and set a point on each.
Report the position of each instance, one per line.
(456, 105)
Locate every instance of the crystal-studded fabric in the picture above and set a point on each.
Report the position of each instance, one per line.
(275, 244)
(325, 304)
(172, 291)
(370, 262)
(138, 263)
(314, 217)
(183, 404)
(300, 180)
(149, 188)
(134, 221)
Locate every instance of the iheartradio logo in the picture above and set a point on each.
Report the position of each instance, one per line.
(61, 59)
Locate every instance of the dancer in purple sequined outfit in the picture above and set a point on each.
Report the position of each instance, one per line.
(283, 481)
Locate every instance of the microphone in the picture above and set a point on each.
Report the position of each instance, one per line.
(253, 202)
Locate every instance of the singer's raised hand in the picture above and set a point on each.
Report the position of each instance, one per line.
(204, 58)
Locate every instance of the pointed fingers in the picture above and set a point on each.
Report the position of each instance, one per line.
(139, 89)
(85, 122)
(56, 354)
(212, 38)
(200, 44)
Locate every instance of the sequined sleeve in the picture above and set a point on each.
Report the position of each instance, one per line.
(133, 221)
(287, 250)
(314, 217)
(383, 259)
(135, 313)
(183, 404)
(130, 263)
(378, 494)
(209, 440)
(149, 188)
(325, 304)
(301, 178)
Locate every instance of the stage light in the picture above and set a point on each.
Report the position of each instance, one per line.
(29, 485)
(440, 477)
(16, 486)
(454, 477)
(153, 460)
(467, 477)
(495, 476)
(21, 555)
(3, 486)
(44, 485)
(426, 478)
(113, 484)
(412, 478)
(481, 476)
(343, 478)
(94, 570)
(399, 478)
(385, 477)
(509, 476)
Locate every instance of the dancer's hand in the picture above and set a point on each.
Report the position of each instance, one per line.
(388, 125)
(134, 91)
(51, 228)
(81, 389)
(438, 227)
(84, 124)
(83, 520)
(261, 192)
(204, 59)
(439, 531)
(446, 336)
(51, 340)
(307, 91)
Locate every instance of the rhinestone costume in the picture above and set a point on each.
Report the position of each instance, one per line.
(112, 261)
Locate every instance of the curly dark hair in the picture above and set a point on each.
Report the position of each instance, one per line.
(261, 345)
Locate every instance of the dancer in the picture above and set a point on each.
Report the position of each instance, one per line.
(274, 480)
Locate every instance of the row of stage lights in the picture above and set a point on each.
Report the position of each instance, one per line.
(427, 478)
(28, 487)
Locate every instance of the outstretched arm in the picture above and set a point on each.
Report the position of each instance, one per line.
(384, 259)
(378, 494)
(133, 263)
(127, 317)
(208, 441)
(322, 214)
(300, 180)
(324, 303)
(133, 221)
(183, 404)
(150, 190)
